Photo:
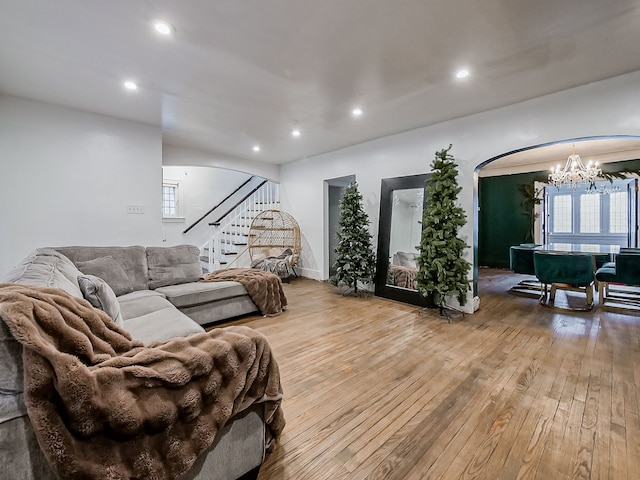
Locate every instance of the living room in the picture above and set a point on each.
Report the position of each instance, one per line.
(72, 164)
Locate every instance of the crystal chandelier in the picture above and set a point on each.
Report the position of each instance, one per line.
(575, 173)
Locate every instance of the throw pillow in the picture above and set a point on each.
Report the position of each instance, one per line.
(108, 270)
(406, 259)
(99, 294)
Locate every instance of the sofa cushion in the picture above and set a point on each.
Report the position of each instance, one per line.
(20, 454)
(196, 293)
(244, 433)
(42, 268)
(161, 325)
(135, 305)
(137, 294)
(222, 310)
(108, 270)
(173, 265)
(132, 259)
(11, 371)
(46, 267)
(99, 294)
(11, 406)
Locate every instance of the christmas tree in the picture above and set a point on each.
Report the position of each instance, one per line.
(441, 268)
(355, 260)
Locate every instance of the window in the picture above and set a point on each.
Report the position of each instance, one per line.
(589, 213)
(562, 213)
(599, 216)
(171, 205)
(618, 212)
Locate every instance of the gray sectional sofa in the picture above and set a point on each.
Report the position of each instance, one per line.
(155, 297)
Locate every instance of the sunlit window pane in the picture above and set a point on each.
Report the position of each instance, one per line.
(590, 213)
(562, 214)
(618, 212)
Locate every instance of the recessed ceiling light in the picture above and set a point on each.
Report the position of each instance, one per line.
(256, 148)
(129, 85)
(356, 112)
(295, 133)
(464, 73)
(163, 27)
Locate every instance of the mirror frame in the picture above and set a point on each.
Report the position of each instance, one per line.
(382, 289)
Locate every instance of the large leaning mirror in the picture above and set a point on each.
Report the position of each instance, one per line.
(401, 204)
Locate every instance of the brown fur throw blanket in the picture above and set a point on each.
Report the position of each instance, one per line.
(105, 406)
(264, 288)
(404, 277)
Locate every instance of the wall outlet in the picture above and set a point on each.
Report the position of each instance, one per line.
(135, 209)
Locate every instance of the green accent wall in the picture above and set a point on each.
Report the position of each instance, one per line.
(501, 219)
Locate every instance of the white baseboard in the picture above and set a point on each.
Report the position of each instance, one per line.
(309, 273)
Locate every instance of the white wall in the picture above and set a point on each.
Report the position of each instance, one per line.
(67, 177)
(609, 107)
(202, 188)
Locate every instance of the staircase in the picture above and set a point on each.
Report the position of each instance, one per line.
(227, 245)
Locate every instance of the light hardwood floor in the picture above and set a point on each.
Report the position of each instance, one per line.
(375, 391)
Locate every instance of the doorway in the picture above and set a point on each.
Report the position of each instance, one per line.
(336, 188)
(501, 215)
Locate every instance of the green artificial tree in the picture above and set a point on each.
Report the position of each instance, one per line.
(441, 269)
(355, 260)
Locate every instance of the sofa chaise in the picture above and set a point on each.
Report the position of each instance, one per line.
(157, 298)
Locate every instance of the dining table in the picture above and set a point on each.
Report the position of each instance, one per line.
(594, 248)
(602, 253)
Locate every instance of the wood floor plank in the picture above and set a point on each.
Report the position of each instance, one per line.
(496, 449)
(601, 453)
(587, 432)
(373, 390)
(618, 442)
(489, 432)
(540, 425)
(477, 423)
(386, 449)
(633, 445)
(422, 456)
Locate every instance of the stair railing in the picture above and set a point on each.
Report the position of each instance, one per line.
(218, 205)
(231, 229)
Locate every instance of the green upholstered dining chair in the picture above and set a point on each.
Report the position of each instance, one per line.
(612, 263)
(564, 271)
(619, 282)
(600, 259)
(521, 261)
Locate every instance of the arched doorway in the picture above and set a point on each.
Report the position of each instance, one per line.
(503, 173)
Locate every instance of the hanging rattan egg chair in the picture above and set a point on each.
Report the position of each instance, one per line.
(271, 234)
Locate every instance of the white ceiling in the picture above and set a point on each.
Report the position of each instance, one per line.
(604, 150)
(243, 72)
